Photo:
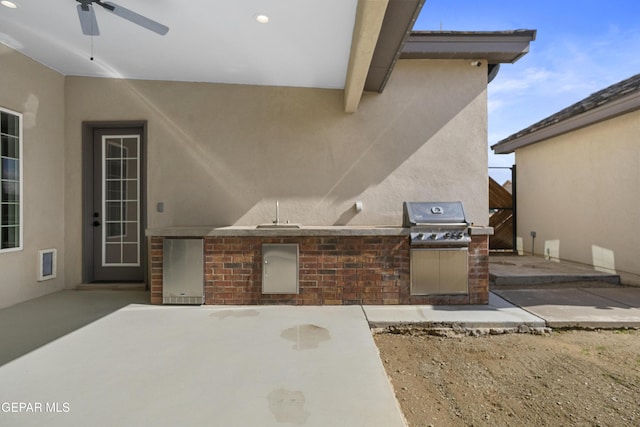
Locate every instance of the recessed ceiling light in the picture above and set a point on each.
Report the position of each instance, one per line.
(9, 4)
(263, 19)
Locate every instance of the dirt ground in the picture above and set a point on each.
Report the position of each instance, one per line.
(565, 378)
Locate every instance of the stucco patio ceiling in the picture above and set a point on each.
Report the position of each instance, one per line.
(306, 43)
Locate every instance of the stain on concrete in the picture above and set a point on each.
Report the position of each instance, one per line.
(223, 314)
(306, 337)
(287, 406)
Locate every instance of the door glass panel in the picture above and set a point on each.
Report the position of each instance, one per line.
(130, 253)
(113, 212)
(120, 204)
(112, 254)
(113, 190)
(130, 146)
(130, 188)
(130, 168)
(130, 211)
(130, 232)
(114, 168)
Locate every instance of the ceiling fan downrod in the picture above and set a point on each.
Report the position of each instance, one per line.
(89, 23)
(86, 3)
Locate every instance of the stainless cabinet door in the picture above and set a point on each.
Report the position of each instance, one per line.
(439, 271)
(425, 272)
(279, 268)
(454, 267)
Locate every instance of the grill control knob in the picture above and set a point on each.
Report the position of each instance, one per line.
(434, 236)
(447, 235)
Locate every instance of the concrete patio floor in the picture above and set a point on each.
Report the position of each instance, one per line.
(107, 357)
(567, 294)
(208, 365)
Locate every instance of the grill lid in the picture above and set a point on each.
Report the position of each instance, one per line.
(427, 213)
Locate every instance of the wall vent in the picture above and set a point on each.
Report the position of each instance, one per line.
(179, 299)
(47, 261)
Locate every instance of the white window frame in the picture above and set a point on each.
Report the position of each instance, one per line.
(20, 183)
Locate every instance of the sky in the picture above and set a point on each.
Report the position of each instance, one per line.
(581, 46)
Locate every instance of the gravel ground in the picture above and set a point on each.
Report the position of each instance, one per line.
(562, 378)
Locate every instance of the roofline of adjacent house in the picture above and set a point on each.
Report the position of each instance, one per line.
(617, 107)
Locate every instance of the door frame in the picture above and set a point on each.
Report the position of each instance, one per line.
(88, 147)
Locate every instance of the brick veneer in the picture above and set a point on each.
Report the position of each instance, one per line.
(333, 270)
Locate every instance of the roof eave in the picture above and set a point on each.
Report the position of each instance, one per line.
(497, 47)
(607, 111)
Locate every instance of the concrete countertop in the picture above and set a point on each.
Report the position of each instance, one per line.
(306, 230)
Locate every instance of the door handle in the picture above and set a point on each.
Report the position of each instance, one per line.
(96, 223)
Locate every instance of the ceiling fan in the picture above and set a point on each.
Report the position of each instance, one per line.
(89, 23)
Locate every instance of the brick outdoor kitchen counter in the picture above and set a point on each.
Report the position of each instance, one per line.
(337, 265)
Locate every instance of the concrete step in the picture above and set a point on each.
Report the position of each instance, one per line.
(514, 271)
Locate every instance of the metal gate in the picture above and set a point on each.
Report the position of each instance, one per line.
(502, 213)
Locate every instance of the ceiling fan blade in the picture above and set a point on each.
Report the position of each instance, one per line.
(138, 19)
(88, 21)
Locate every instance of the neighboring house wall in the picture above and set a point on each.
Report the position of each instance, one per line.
(38, 93)
(223, 154)
(580, 193)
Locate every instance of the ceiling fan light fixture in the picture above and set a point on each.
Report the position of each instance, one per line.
(262, 18)
(9, 4)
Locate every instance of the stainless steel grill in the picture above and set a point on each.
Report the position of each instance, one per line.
(439, 247)
(436, 223)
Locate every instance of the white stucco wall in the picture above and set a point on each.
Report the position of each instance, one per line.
(38, 93)
(223, 154)
(580, 192)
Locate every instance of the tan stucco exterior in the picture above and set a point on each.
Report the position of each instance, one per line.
(38, 93)
(580, 192)
(223, 154)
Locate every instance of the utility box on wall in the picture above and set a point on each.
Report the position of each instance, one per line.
(280, 268)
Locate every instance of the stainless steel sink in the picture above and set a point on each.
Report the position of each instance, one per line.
(282, 225)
